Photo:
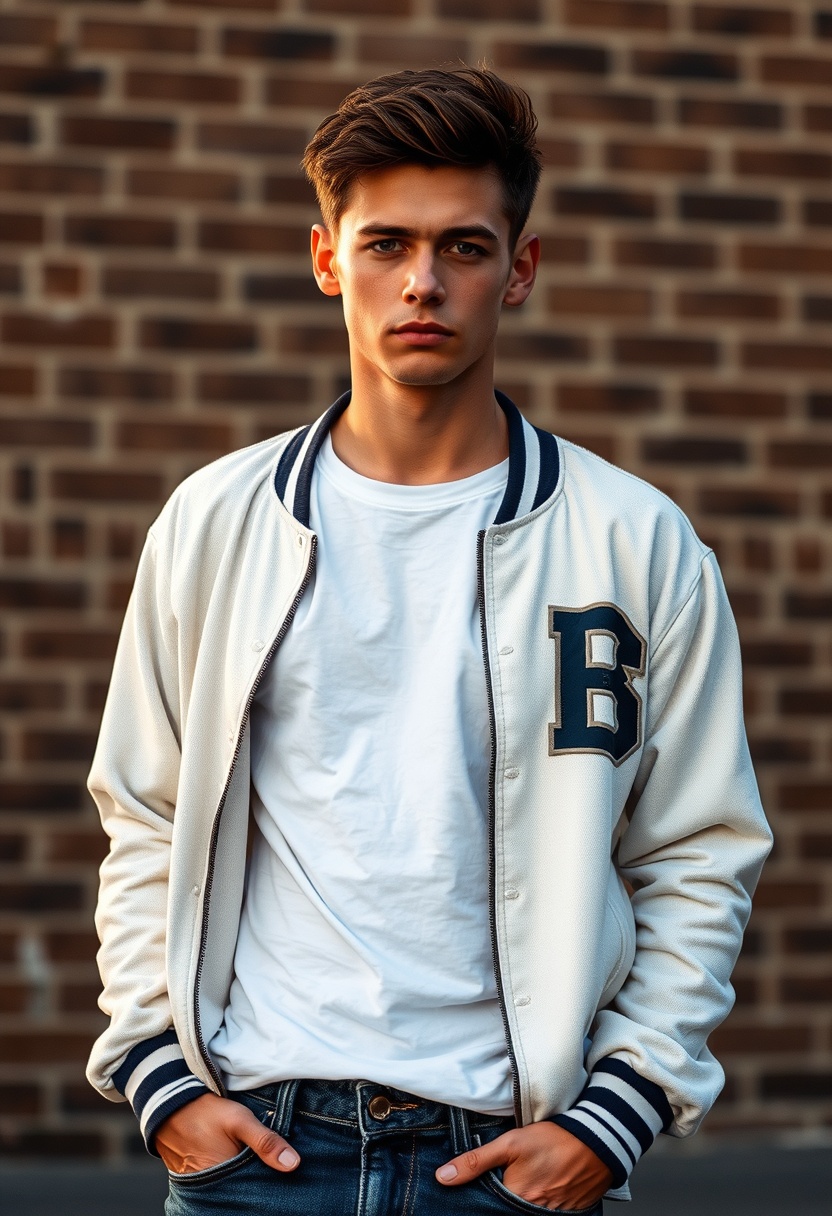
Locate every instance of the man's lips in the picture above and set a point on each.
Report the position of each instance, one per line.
(423, 333)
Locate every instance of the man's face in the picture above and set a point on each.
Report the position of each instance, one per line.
(423, 262)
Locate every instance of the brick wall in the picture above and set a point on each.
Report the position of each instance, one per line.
(156, 310)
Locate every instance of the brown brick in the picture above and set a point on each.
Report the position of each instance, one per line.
(579, 57)
(313, 340)
(252, 388)
(715, 208)
(23, 483)
(44, 1047)
(30, 177)
(787, 356)
(660, 254)
(728, 305)
(748, 1040)
(174, 436)
(155, 37)
(96, 131)
(70, 946)
(57, 747)
(797, 69)
(38, 796)
(250, 139)
(807, 796)
(23, 30)
(17, 541)
(83, 1099)
(185, 333)
(734, 403)
(28, 329)
(786, 259)
(87, 644)
(681, 63)
(808, 606)
(693, 449)
(738, 19)
(231, 236)
(118, 594)
(805, 701)
(162, 282)
(817, 212)
(105, 485)
(20, 696)
(280, 43)
(782, 162)
(603, 202)
(809, 989)
(95, 695)
(284, 289)
(808, 939)
(17, 380)
(325, 95)
(199, 87)
(45, 1144)
(20, 228)
(288, 190)
(116, 383)
(544, 347)
(606, 299)
(11, 279)
(121, 542)
(779, 750)
(413, 50)
(800, 454)
(30, 593)
(617, 14)
(665, 350)
(120, 231)
(35, 81)
(565, 249)
(623, 399)
(819, 405)
(603, 107)
(62, 279)
(800, 1086)
(193, 185)
(759, 501)
(14, 998)
(559, 153)
(603, 445)
(794, 894)
(79, 846)
(658, 158)
(16, 129)
(20, 1098)
(728, 112)
(398, 8)
(12, 848)
(69, 538)
(777, 652)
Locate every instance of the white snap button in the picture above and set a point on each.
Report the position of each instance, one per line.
(257, 644)
(522, 1000)
(300, 542)
(512, 893)
(196, 891)
(506, 650)
(511, 773)
(499, 540)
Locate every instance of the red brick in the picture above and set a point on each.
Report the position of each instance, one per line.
(69, 539)
(285, 289)
(658, 158)
(96, 131)
(280, 43)
(29, 593)
(663, 254)
(819, 405)
(59, 747)
(51, 1144)
(779, 750)
(559, 153)
(92, 645)
(11, 279)
(790, 163)
(28, 329)
(729, 112)
(105, 485)
(250, 139)
(233, 236)
(728, 305)
(19, 696)
(324, 95)
(800, 454)
(681, 63)
(665, 350)
(194, 185)
(118, 594)
(17, 380)
(23, 30)
(623, 399)
(807, 555)
(563, 249)
(78, 998)
(617, 14)
(748, 1040)
(808, 939)
(252, 388)
(174, 436)
(120, 231)
(20, 228)
(413, 50)
(17, 540)
(817, 212)
(808, 796)
(777, 652)
(756, 20)
(759, 501)
(401, 8)
(603, 202)
(288, 190)
(16, 129)
(795, 894)
(313, 340)
(797, 1085)
(581, 58)
(808, 606)
(121, 542)
(183, 333)
(70, 946)
(583, 299)
(603, 107)
(20, 1099)
(797, 69)
(693, 450)
(200, 87)
(163, 282)
(44, 1047)
(817, 118)
(23, 483)
(33, 80)
(12, 848)
(808, 989)
(787, 356)
(62, 279)
(723, 208)
(13, 998)
(786, 259)
(156, 37)
(544, 347)
(116, 383)
(32, 177)
(37, 796)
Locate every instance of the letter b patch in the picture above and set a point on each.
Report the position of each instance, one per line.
(598, 653)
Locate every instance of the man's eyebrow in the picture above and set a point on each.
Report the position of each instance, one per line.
(448, 234)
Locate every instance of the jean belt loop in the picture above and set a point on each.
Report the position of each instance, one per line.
(284, 1106)
(460, 1129)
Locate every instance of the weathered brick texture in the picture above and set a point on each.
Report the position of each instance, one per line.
(156, 310)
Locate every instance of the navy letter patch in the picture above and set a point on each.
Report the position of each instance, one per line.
(597, 655)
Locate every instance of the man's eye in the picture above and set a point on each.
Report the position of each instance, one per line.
(389, 245)
(466, 248)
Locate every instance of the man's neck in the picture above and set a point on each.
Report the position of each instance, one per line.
(421, 434)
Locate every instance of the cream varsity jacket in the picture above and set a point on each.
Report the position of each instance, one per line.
(626, 831)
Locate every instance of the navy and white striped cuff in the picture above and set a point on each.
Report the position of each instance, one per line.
(156, 1081)
(618, 1115)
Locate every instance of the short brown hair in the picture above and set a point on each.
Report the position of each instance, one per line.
(468, 117)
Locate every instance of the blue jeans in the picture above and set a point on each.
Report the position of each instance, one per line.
(366, 1150)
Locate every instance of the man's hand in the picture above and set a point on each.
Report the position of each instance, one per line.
(211, 1130)
(541, 1162)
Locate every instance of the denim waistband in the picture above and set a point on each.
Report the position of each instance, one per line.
(371, 1109)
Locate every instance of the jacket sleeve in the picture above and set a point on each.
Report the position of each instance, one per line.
(692, 851)
(134, 782)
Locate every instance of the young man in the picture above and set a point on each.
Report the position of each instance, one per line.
(471, 697)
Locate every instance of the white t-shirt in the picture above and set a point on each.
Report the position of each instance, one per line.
(364, 948)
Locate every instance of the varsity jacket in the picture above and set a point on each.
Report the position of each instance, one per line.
(626, 831)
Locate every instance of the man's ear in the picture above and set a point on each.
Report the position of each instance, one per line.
(524, 265)
(323, 261)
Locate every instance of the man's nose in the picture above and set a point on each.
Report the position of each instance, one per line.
(422, 283)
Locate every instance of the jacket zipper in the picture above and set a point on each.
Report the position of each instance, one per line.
(492, 844)
(215, 830)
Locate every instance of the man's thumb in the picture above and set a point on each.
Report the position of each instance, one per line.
(269, 1147)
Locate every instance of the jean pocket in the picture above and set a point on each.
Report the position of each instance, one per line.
(493, 1183)
(223, 1169)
